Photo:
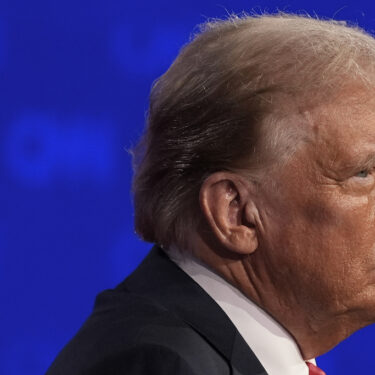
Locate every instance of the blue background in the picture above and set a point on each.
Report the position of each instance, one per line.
(74, 82)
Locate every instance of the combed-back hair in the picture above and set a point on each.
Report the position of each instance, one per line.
(226, 102)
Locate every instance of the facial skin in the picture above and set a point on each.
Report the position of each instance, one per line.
(302, 243)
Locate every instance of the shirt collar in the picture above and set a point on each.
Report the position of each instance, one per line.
(272, 344)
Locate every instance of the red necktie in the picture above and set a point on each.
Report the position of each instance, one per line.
(314, 370)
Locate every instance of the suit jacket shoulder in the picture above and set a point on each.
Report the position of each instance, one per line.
(157, 321)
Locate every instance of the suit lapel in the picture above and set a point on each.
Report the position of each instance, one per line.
(166, 284)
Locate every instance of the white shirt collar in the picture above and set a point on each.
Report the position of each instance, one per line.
(271, 343)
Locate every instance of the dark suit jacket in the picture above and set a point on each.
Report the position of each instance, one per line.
(158, 321)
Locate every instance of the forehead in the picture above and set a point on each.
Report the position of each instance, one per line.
(345, 128)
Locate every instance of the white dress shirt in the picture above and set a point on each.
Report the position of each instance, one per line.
(271, 343)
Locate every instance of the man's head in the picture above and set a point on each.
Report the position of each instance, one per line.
(259, 155)
(229, 101)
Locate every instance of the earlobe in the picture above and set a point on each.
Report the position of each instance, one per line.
(226, 204)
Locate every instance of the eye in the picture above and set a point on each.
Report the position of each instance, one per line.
(362, 174)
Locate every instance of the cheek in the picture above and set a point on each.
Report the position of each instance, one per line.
(317, 213)
(320, 246)
(327, 245)
(354, 221)
(340, 216)
(340, 237)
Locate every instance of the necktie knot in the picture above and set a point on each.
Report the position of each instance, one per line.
(314, 370)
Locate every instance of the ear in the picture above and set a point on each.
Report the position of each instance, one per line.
(225, 200)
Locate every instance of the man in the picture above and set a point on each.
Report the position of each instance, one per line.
(256, 179)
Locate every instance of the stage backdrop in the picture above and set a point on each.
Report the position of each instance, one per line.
(74, 84)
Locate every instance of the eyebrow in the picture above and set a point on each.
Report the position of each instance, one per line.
(365, 161)
(368, 161)
(362, 160)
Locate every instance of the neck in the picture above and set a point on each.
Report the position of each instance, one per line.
(315, 331)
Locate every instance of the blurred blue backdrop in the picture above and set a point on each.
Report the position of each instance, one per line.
(74, 81)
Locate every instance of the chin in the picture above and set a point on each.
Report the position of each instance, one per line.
(364, 309)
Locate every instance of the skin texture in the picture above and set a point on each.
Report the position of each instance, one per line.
(301, 244)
